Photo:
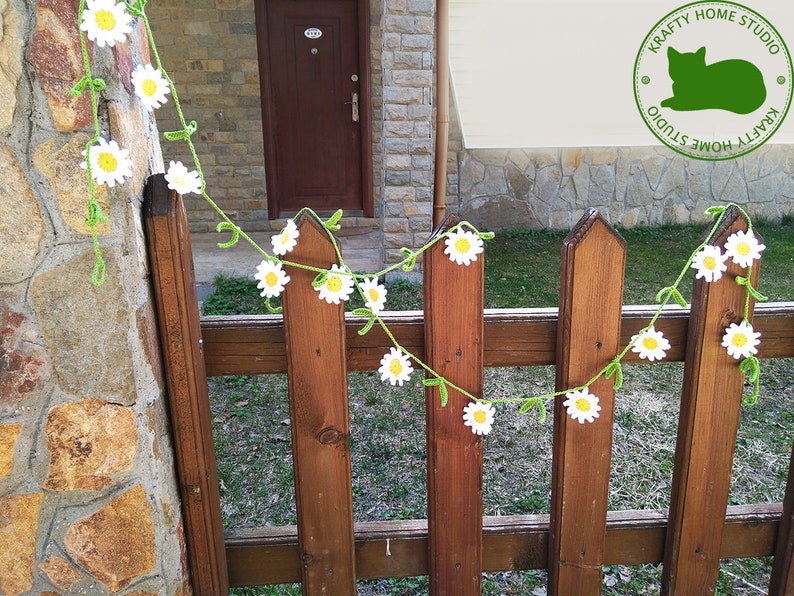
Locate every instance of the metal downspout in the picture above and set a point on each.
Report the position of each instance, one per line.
(442, 111)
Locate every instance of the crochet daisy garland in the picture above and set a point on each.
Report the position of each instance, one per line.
(107, 22)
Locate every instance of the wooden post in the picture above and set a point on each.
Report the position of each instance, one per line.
(588, 335)
(709, 419)
(782, 581)
(314, 333)
(174, 286)
(453, 297)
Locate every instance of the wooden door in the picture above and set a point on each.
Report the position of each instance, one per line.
(315, 104)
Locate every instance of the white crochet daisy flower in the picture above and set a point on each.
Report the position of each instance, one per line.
(272, 278)
(582, 405)
(150, 86)
(743, 248)
(285, 241)
(710, 263)
(338, 286)
(463, 246)
(374, 294)
(740, 340)
(106, 22)
(181, 180)
(651, 344)
(479, 417)
(109, 163)
(395, 367)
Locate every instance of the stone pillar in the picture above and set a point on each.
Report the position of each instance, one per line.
(407, 60)
(88, 497)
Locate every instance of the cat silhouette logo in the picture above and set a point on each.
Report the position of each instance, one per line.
(713, 80)
(733, 85)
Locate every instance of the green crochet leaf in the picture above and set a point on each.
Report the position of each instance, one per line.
(535, 402)
(275, 310)
(751, 367)
(671, 292)
(715, 211)
(442, 388)
(225, 225)
(332, 223)
(615, 368)
(185, 133)
(320, 280)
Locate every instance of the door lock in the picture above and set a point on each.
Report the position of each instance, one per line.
(354, 106)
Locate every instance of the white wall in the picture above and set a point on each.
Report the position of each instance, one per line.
(558, 73)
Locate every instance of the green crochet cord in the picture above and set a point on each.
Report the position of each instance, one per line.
(749, 366)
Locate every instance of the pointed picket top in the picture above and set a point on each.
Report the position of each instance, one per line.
(590, 220)
(588, 338)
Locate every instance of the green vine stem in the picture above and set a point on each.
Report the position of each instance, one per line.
(749, 366)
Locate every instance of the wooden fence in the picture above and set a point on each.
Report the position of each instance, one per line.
(327, 552)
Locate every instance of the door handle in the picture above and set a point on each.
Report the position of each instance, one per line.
(354, 106)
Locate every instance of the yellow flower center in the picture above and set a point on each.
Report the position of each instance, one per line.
(650, 343)
(395, 367)
(479, 416)
(105, 20)
(334, 283)
(743, 249)
(284, 237)
(583, 405)
(710, 263)
(108, 162)
(739, 340)
(271, 279)
(462, 245)
(149, 87)
(373, 295)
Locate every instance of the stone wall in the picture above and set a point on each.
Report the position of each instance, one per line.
(209, 49)
(88, 497)
(630, 186)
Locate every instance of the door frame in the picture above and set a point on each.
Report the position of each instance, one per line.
(268, 118)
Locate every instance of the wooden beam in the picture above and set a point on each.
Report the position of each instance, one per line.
(174, 287)
(588, 336)
(708, 422)
(453, 297)
(252, 345)
(781, 583)
(319, 420)
(259, 556)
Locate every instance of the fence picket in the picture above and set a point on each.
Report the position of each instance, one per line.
(591, 295)
(453, 297)
(708, 423)
(781, 583)
(174, 286)
(315, 341)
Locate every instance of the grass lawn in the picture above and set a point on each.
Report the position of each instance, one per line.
(252, 434)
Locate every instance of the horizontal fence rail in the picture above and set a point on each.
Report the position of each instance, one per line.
(254, 344)
(399, 548)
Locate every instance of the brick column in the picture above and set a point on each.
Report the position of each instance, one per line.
(407, 61)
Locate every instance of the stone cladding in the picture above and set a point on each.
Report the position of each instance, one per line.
(89, 502)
